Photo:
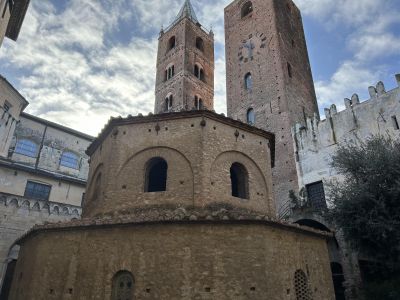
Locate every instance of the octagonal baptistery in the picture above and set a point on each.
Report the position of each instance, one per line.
(178, 206)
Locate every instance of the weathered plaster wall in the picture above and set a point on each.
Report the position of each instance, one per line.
(173, 261)
(316, 142)
(51, 143)
(8, 118)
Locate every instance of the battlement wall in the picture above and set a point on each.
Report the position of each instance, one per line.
(317, 141)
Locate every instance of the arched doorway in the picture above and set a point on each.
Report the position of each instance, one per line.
(8, 272)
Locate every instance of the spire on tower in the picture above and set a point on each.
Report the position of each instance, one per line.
(186, 11)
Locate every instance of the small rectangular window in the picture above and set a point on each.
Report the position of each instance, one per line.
(37, 191)
(7, 106)
(316, 195)
(395, 123)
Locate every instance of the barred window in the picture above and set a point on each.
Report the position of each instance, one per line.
(123, 286)
(37, 191)
(70, 160)
(316, 195)
(26, 147)
(301, 286)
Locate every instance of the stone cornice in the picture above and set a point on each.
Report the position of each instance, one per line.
(140, 119)
(217, 215)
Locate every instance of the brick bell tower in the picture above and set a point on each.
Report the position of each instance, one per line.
(269, 80)
(185, 65)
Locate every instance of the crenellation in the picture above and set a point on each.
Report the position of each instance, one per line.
(372, 92)
(380, 88)
(347, 103)
(355, 99)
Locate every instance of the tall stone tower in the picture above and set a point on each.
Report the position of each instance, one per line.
(185, 65)
(269, 80)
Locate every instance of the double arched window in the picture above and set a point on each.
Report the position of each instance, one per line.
(169, 101)
(248, 81)
(123, 285)
(169, 72)
(198, 102)
(247, 9)
(69, 160)
(200, 43)
(156, 175)
(26, 147)
(239, 181)
(250, 116)
(199, 72)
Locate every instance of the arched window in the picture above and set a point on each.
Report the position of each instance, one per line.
(123, 286)
(169, 72)
(97, 187)
(198, 102)
(156, 175)
(69, 160)
(169, 100)
(247, 9)
(251, 116)
(239, 181)
(199, 72)
(196, 71)
(248, 81)
(200, 43)
(26, 147)
(172, 43)
(301, 286)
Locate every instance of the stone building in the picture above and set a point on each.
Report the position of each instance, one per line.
(315, 143)
(185, 65)
(182, 206)
(43, 173)
(12, 14)
(185, 212)
(269, 80)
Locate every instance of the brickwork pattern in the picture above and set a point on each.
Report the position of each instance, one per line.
(172, 261)
(199, 151)
(184, 86)
(274, 32)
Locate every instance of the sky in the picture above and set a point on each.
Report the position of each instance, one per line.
(78, 62)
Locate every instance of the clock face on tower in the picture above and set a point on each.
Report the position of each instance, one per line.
(251, 46)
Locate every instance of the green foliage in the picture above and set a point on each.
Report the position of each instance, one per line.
(388, 289)
(366, 205)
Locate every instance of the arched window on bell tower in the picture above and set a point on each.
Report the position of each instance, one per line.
(248, 81)
(168, 102)
(247, 9)
(198, 102)
(171, 43)
(250, 116)
(200, 44)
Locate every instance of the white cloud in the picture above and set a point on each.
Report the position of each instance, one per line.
(76, 73)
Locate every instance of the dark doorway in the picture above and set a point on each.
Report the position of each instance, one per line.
(156, 175)
(239, 181)
(338, 279)
(8, 280)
